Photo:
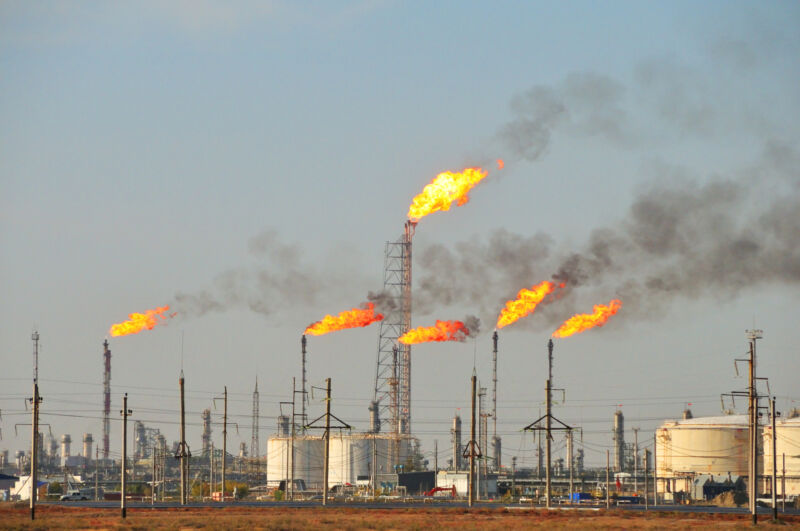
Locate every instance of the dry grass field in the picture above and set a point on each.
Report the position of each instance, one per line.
(17, 517)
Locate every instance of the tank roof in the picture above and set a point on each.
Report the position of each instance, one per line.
(725, 420)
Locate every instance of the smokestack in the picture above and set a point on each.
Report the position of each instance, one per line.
(374, 417)
(456, 440)
(206, 437)
(283, 426)
(87, 446)
(66, 440)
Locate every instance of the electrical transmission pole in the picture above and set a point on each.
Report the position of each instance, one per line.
(125, 412)
(35, 400)
(473, 449)
(327, 436)
(182, 452)
(548, 418)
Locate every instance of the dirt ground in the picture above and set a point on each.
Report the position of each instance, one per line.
(250, 518)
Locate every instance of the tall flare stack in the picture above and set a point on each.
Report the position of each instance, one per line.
(496, 443)
(106, 399)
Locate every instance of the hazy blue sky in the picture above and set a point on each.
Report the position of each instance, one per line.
(147, 148)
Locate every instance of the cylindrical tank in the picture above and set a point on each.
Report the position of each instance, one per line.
(242, 449)
(4, 458)
(66, 440)
(19, 457)
(87, 446)
(705, 445)
(787, 449)
(455, 433)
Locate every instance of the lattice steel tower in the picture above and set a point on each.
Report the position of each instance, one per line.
(254, 444)
(396, 322)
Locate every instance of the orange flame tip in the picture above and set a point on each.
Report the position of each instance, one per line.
(446, 188)
(525, 304)
(141, 321)
(582, 322)
(500, 164)
(357, 317)
(442, 331)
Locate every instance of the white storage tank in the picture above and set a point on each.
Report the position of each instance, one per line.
(786, 446)
(694, 446)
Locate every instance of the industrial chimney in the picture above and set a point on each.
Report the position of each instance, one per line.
(456, 440)
(66, 440)
(87, 446)
(619, 441)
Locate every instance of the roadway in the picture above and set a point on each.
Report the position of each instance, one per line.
(418, 504)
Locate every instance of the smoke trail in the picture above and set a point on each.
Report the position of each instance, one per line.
(280, 280)
(680, 238)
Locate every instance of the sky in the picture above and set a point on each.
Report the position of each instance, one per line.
(245, 163)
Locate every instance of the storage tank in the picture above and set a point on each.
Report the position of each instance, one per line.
(350, 457)
(707, 445)
(787, 447)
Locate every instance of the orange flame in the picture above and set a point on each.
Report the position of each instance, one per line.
(140, 321)
(584, 321)
(525, 304)
(446, 188)
(443, 331)
(347, 319)
(500, 164)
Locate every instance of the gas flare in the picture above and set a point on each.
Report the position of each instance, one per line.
(500, 164)
(446, 188)
(525, 304)
(584, 321)
(141, 321)
(443, 331)
(354, 318)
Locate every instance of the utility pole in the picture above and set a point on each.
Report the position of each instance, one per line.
(182, 448)
(472, 450)
(35, 400)
(753, 336)
(290, 489)
(327, 442)
(125, 412)
(153, 479)
(374, 464)
(774, 464)
(224, 439)
(435, 458)
(548, 418)
(569, 453)
(96, 455)
(636, 460)
(645, 479)
(513, 477)
(327, 437)
(608, 465)
(783, 484)
(655, 468)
